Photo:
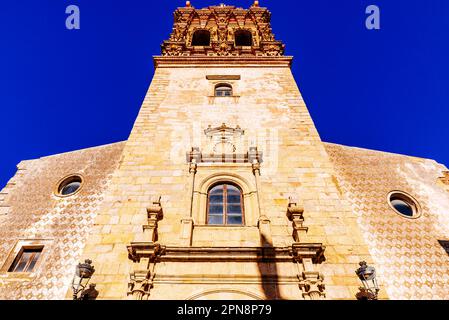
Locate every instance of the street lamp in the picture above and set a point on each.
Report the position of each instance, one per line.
(84, 272)
(370, 288)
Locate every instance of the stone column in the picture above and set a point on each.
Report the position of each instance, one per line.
(263, 223)
(187, 223)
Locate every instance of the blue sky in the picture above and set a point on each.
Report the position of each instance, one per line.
(62, 90)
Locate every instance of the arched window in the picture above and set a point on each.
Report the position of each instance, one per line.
(201, 38)
(223, 90)
(225, 205)
(243, 38)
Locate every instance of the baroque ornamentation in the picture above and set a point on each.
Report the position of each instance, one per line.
(172, 50)
(179, 34)
(223, 20)
(273, 51)
(312, 285)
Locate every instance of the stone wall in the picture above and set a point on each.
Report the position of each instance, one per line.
(35, 215)
(178, 108)
(411, 262)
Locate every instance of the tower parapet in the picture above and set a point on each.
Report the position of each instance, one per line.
(222, 31)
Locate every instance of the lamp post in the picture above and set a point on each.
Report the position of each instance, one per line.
(84, 272)
(370, 287)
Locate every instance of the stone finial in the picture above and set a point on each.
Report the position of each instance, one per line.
(294, 210)
(256, 3)
(155, 209)
(254, 156)
(188, 4)
(193, 166)
(295, 213)
(154, 214)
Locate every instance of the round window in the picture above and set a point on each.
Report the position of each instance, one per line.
(404, 204)
(69, 186)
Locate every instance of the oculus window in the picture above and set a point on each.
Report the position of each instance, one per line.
(404, 204)
(69, 186)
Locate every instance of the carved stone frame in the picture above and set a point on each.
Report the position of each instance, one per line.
(45, 244)
(249, 192)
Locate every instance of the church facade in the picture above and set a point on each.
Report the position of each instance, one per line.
(224, 190)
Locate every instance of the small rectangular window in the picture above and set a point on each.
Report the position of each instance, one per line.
(26, 260)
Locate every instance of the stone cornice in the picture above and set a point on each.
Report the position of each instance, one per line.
(296, 252)
(241, 62)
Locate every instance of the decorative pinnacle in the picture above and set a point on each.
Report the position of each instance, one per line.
(256, 3)
(188, 4)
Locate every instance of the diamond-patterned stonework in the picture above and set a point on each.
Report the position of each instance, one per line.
(63, 224)
(410, 261)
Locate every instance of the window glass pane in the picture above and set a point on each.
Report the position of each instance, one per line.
(26, 261)
(215, 219)
(33, 262)
(215, 209)
(234, 220)
(222, 91)
(235, 199)
(70, 188)
(403, 207)
(233, 190)
(216, 190)
(231, 205)
(20, 267)
(236, 209)
(216, 199)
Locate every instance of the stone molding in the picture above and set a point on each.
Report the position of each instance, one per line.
(211, 62)
(161, 253)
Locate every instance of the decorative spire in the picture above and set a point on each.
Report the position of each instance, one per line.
(188, 4)
(256, 3)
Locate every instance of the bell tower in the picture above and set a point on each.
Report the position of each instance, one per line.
(222, 31)
(224, 188)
